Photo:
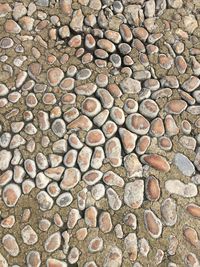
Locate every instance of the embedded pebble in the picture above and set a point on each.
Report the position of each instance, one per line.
(99, 133)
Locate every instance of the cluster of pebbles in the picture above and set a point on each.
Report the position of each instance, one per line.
(99, 133)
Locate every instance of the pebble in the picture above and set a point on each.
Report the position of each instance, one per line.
(44, 200)
(136, 123)
(53, 242)
(152, 188)
(169, 212)
(134, 194)
(33, 259)
(113, 151)
(149, 108)
(59, 127)
(184, 164)
(179, 188)
(130, 243)
(54, 76)
(64, 199)
(113, 199)
(10, 245)
(130, 86)
(11, 194)
(152, 224)
(70, 179)
(92, 177)
(157, 162)
(115, 261)
(5, 158)
(91, 107)
(29, 236)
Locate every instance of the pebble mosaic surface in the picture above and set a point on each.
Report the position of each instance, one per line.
(99, 133)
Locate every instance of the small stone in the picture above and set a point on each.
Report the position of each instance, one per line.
(175, 3)
(152, 188)
(53, 262)
(149, 108)
(130, 220)
(131, 244)
(179, 188)
(190, 23)
(33, 259)
(95, 138)
(95, 245)
(53, 242)
(113, 199)
(91, 216)
(157, 162)
(169, 212)
(29, 236)
(193, 210)
(97, 158)
(64, 199)
(152, 224)
(98, 191)
(106, 45)
(77, 21)
(84, 157)
(134, 194)
(10, 245)
(109, 128)
(191, 84)
(73, 218)
(117, 115)
(70, 179)
(128, 139)
(8, 223)
(44, 200)
(11, 194)
(184, 164)
(136, 123)
(113, 257)
(54, 76)
(92, 177)
(59, 127)
(12, 27)
(144, 247)
(5, 158)
(112, 179)
(105, 222)
(175, 106)
(113, 151)
(130, 86)
(30, 167)
(133, 166)
(91, 107)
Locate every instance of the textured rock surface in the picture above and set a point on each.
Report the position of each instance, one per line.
(99, 133)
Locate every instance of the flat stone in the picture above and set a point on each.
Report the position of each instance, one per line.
(152, 224)
(53, 242)
(11, 194)
(5, 158)
(169, 212)
(130, 86)
(134, 194)
(184, 164)
(157, 162)
(113, 151)
(179, 188)
(115, 261)
(10, 245)
(70, 179)
(29, 236)
(54, 76)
